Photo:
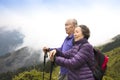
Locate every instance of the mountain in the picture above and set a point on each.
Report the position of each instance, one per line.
(18, 58)
(115, 43)
(9, 40)
(113, 67)
(23, 57)
(112, 50)
(116, 37)
(112, 72)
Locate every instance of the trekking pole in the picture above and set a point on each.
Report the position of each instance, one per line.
(45, 56)
(51, 69)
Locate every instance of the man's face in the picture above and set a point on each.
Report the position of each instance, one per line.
(69, 27)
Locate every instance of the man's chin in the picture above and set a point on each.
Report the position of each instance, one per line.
(67, 32)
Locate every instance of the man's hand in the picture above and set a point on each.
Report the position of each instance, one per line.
(52, 54)
(45, 49)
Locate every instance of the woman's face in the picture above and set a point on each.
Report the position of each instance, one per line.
(78, 34)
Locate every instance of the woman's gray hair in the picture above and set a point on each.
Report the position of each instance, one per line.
(85, 31)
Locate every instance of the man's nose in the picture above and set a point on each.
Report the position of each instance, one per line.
(66, 27)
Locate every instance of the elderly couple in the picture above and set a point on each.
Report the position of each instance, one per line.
(74, 54)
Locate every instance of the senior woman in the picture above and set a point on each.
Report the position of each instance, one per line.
(78, 59)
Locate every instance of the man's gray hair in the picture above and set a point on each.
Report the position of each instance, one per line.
(74, 22)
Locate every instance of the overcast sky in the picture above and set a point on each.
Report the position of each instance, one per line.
(42, 21)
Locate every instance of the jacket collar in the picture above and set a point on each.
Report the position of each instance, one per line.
(69, 37)
(81, 41)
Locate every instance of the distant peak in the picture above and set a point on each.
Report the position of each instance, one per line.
(116, 37)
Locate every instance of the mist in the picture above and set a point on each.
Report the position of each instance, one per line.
(9, 40)
(42, 24)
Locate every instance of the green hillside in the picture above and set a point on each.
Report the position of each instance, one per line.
(113, 70)
(112, 73)
(35, 72)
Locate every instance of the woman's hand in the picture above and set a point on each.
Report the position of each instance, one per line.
(52, 54)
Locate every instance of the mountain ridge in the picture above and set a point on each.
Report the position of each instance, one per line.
(114, 43)
(10, 40)
(23, 57)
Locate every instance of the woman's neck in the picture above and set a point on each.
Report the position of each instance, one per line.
(77, 39)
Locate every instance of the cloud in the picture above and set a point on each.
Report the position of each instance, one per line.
(43, 22)
(38, 28)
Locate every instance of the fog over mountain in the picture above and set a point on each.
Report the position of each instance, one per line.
(12, 57)
(23, 57)
(28, 56)
(112, 44)
(9, 40)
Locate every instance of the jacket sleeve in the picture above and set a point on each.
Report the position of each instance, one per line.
(77, 60)
(66, 54)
